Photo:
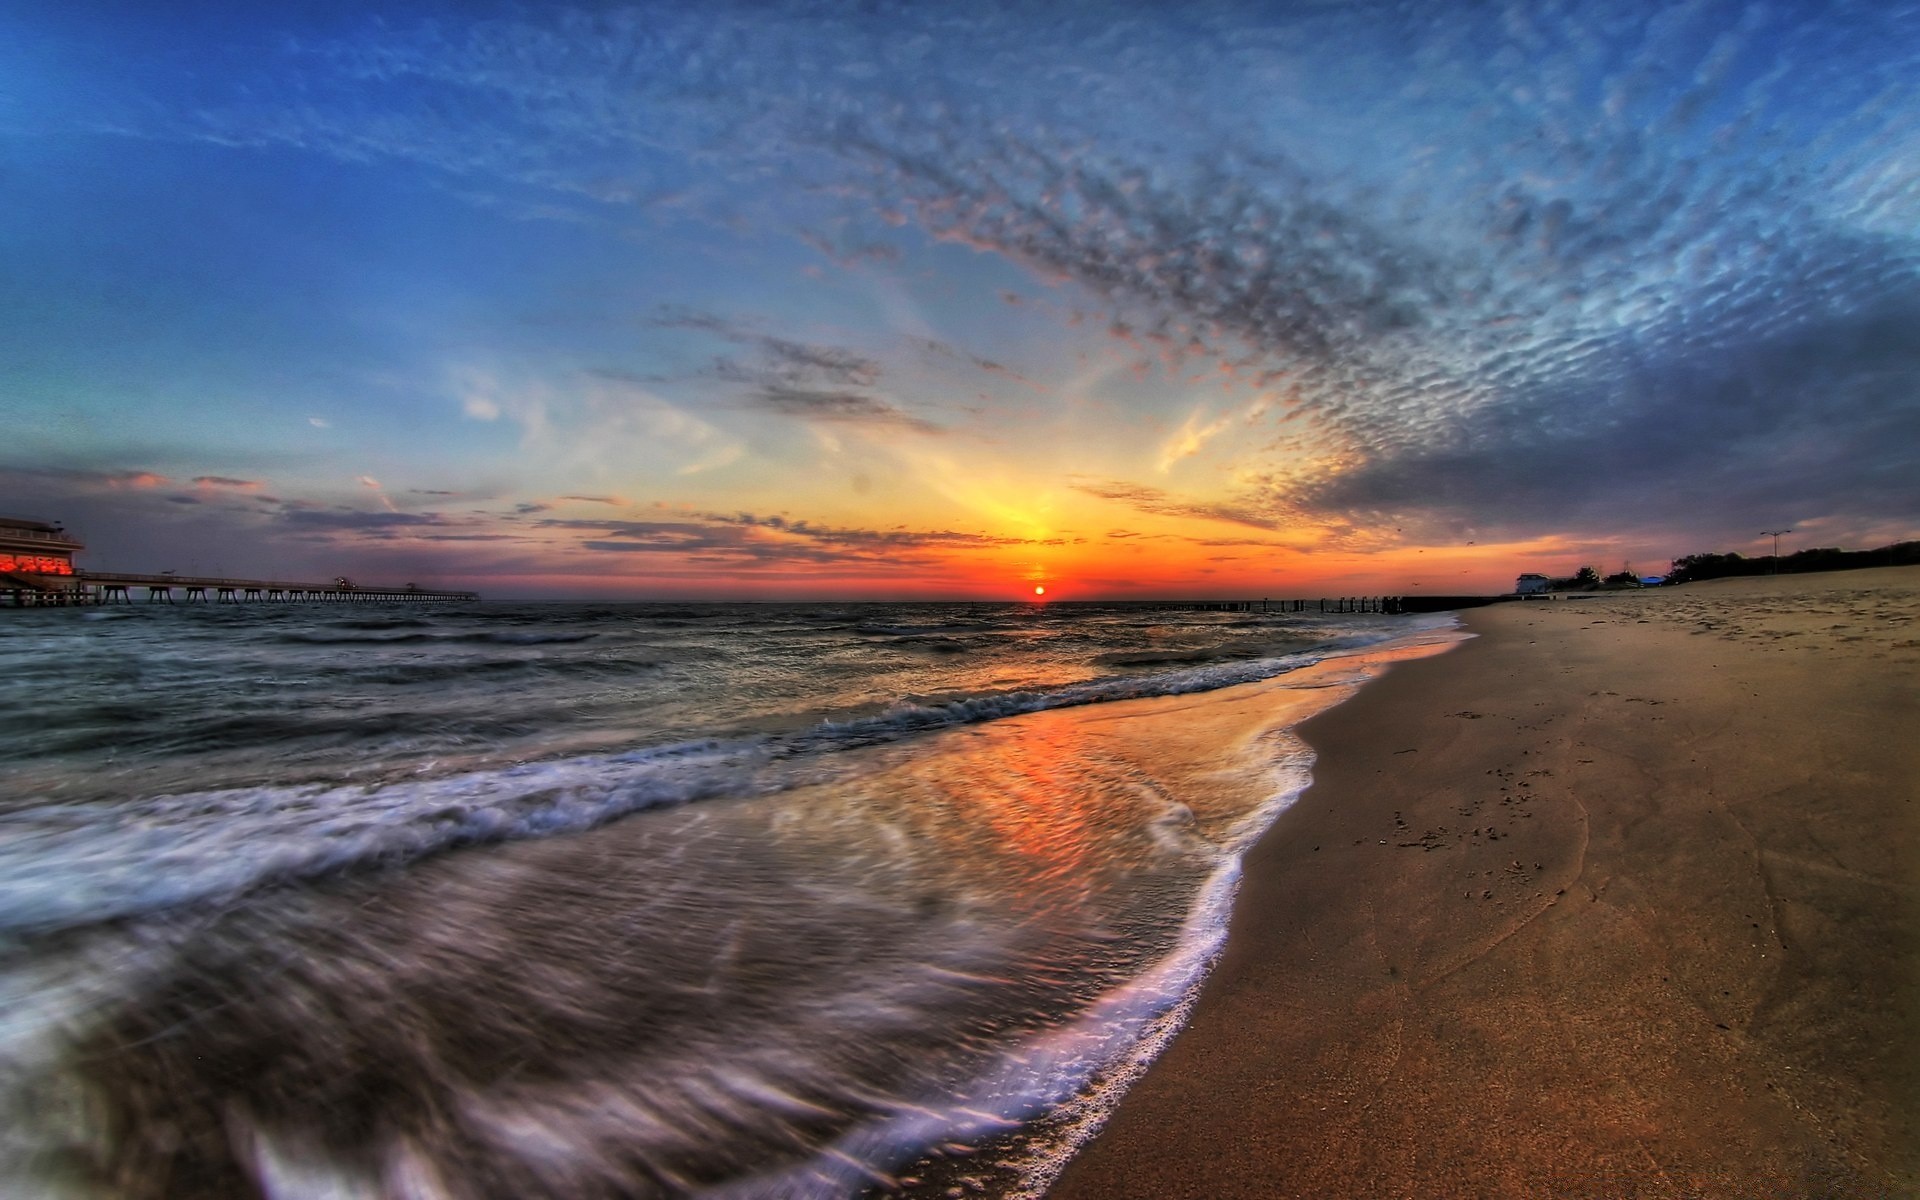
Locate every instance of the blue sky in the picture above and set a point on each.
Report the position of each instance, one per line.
(832, 299)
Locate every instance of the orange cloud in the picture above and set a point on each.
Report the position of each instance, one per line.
(135, 479)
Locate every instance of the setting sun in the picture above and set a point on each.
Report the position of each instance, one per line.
(1039, 591)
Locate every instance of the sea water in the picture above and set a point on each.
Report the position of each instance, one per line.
(620, 900)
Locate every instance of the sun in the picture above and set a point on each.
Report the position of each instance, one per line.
(1038, 590)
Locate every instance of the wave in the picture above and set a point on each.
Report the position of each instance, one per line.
(938, 627)
(410, 674)
(489, 637)
(63, 866)
(385, 623)
(1155, 658)
(909, 718)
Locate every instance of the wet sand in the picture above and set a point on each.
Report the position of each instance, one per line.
(1621, 898)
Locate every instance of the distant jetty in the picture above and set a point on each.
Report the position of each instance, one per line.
(1389, 605)
(36, 570)
(1341, 604)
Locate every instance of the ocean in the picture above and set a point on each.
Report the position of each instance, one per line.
(621, 900)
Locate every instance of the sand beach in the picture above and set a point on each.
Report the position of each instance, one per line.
(1619, 898)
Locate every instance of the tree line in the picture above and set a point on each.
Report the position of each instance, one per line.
(1719, 566)
(1692, 567)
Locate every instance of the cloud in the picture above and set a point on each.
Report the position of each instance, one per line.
(800, 363)
(1729, 439)
(129, 524)
(1462, 350)
(1274, 266)
(940, 349)
(60, 483)
(803, 380)
(889, 538)
(838, 407)
(596, 424)
(744, 539)
(853, 253)
(1161, 503)
(1195, 433)
(343, 520)
(120, 479)
(777, 358)
(1482, 247)
(719, 543)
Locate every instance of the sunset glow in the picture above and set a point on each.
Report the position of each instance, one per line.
(1336, 302)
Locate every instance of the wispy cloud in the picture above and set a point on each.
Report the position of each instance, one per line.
(946, 350)
(1197, 430)
(119, 479)
(1159, 502)
(343, 520)
(779, 358)
(746, 539)
(802, 380)
(837, 407)
(600, 426)
(887, 538)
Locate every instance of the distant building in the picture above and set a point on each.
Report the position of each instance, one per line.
(1531, 585)
(31, 548)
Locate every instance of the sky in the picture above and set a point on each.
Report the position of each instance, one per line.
(956, 300)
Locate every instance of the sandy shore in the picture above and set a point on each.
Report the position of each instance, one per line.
(1621, 898)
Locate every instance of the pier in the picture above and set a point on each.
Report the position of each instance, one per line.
(105, 587)
(37, 571)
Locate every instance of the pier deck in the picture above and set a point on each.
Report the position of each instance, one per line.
(108, 587)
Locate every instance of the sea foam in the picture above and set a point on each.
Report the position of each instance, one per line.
(62, 866)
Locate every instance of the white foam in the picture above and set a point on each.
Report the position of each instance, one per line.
(1074, 1074)
(67, 865)
(63, 866)
(1071, 1075)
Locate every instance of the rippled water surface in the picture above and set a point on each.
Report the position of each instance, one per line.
(617, 901)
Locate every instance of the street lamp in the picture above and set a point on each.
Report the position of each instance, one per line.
(1775, 535)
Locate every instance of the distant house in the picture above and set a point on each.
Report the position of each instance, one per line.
(1531, 585)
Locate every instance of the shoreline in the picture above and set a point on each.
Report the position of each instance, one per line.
(869, 910)
(1616, 899)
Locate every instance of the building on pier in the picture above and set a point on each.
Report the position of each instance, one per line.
(37, 556)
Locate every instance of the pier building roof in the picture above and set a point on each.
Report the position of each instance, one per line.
(32, 547)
